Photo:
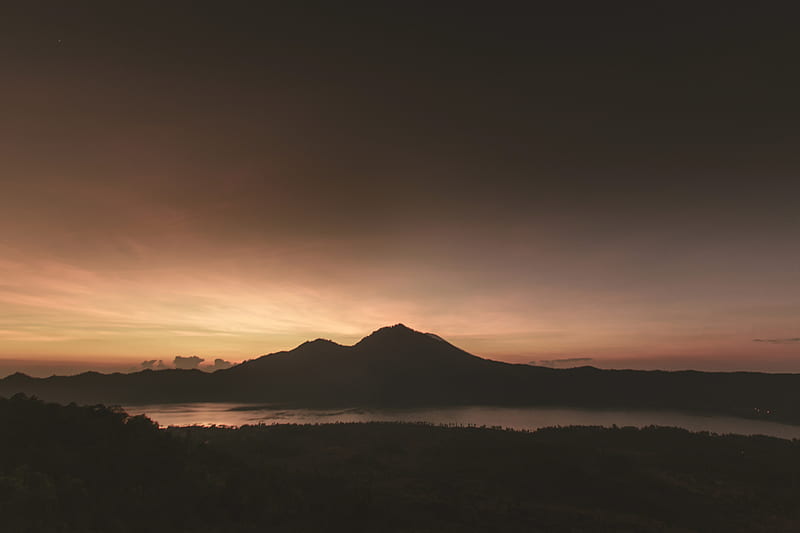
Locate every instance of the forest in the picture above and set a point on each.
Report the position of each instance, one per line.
(71, 468)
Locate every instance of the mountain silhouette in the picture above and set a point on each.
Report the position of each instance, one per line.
(393, 365)
(397, 366)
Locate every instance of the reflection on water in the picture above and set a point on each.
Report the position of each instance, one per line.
(232, 414)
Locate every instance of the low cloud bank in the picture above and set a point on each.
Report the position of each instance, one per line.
(568, 361)
(219, 364)
(187, 363)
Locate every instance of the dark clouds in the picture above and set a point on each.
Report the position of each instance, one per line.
(601, 171)
(567, 361)
(219, 364)
(154, 364)
(794, 340)
(187, 363)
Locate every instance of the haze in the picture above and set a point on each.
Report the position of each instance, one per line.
(605, 186)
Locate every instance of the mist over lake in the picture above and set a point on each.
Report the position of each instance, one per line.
(524, 418)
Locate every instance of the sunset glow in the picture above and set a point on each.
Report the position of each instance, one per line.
(150, 210)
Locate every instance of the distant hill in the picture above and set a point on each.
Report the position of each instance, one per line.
(397, 366)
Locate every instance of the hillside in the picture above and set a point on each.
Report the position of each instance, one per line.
(397, 366)
(91, 469)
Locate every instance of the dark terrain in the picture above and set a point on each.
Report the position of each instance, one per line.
(93, 469)
(397, 366)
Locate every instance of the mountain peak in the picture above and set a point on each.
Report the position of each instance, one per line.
(392, 331)
(319, 341)
(393, 336)
(317, 344)
(399, 327)
(18, 376)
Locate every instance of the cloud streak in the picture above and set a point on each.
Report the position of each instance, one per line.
(187, 363)
(564, 361)
(791, 340)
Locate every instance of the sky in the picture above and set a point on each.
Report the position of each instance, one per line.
(614, 184)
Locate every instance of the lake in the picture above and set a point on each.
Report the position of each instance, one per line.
(529, 418)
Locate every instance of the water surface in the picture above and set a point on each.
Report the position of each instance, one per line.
(237, 414)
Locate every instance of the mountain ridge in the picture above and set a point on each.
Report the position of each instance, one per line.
(396, 366)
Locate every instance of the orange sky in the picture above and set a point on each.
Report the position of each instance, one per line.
(145, 302)
(183, 182)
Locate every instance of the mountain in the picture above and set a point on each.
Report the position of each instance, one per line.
(393, 366)
(397, 366)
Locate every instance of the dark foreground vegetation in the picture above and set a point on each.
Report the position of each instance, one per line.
(94, 469)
